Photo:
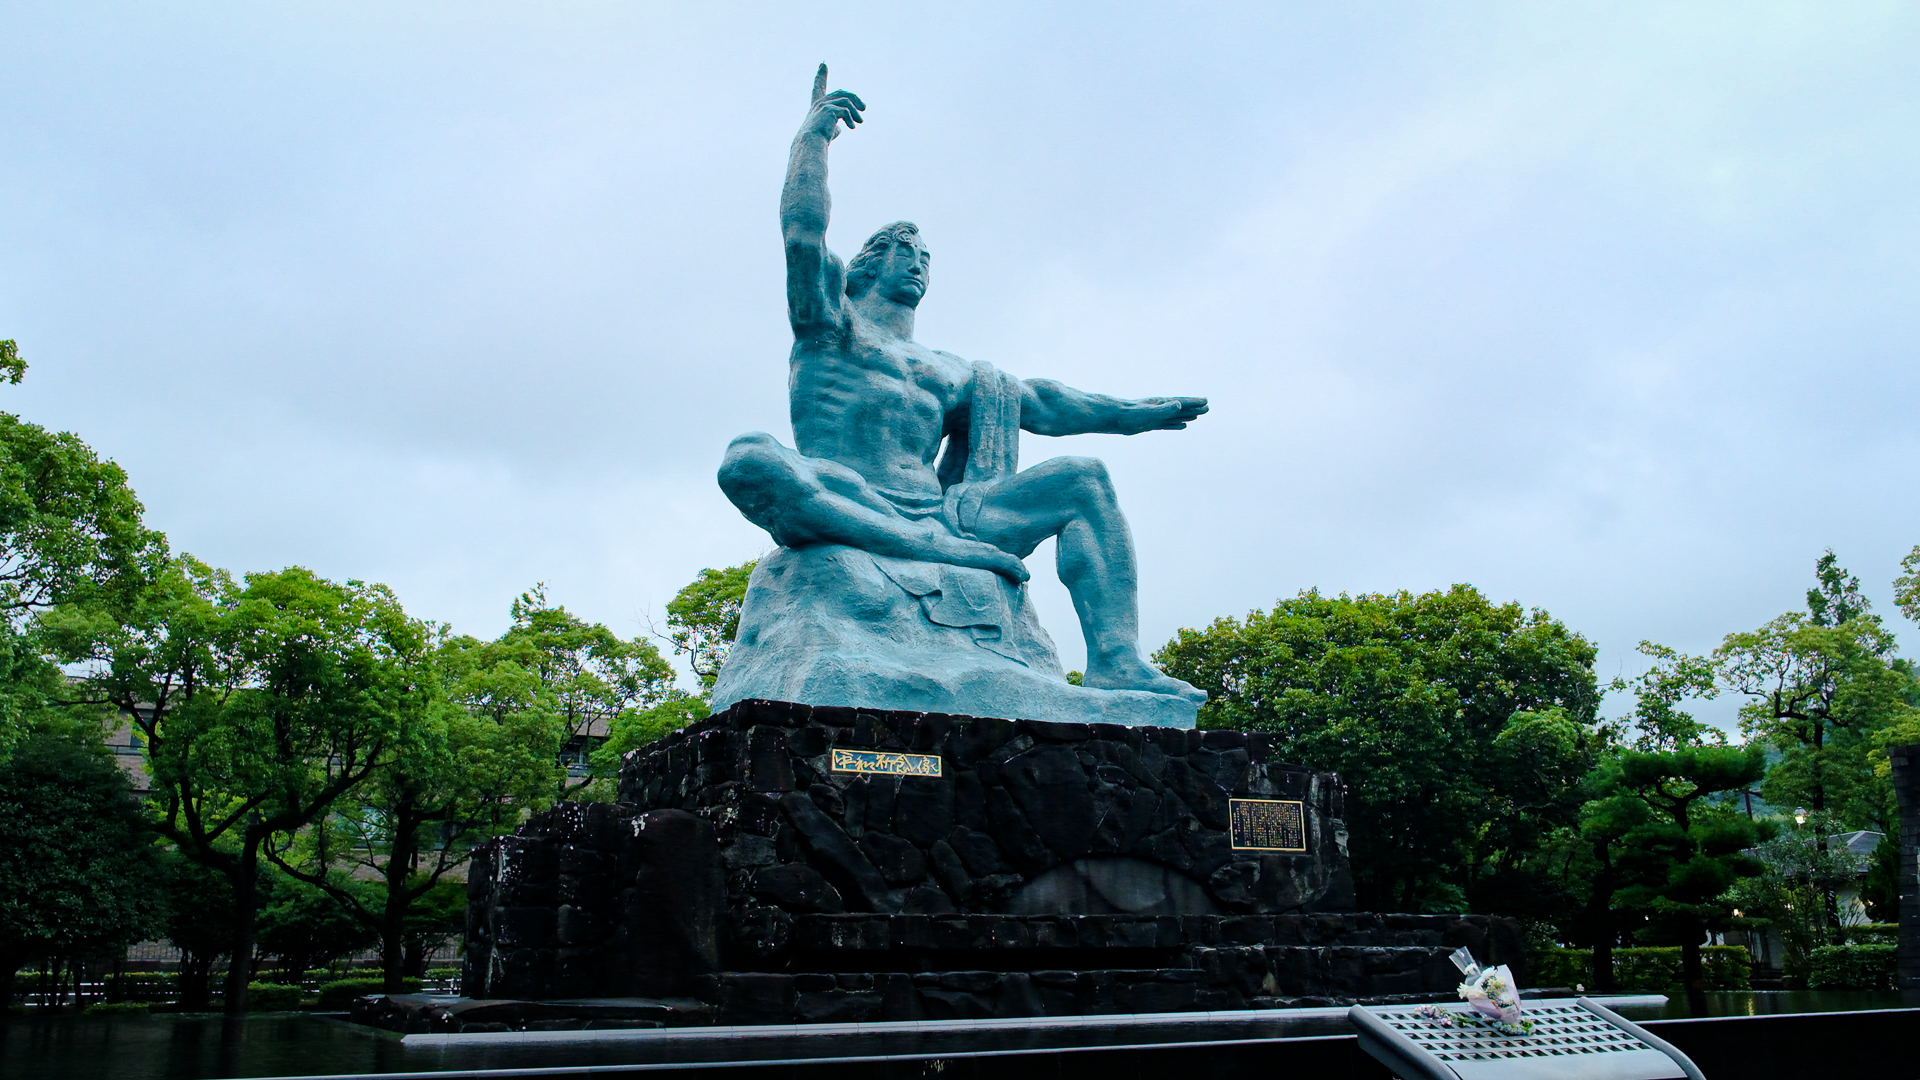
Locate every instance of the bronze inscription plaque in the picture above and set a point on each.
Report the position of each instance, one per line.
(1267, 824)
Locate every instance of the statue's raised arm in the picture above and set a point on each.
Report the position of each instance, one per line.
(815, 277)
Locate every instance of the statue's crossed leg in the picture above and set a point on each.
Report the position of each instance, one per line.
(990, 524)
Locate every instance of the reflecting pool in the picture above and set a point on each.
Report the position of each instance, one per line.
(196, 1046)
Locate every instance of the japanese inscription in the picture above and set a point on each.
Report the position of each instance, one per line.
(885, 762)
(1267, 824)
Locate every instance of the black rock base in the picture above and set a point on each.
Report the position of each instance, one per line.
(734, 838)
(765, 866)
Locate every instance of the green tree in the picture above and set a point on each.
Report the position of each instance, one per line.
(579, 677)
(199, 922)
(11, 365)
(1657, 721)
(1461, 728)
(302, 927)
(702, 621)
(1800, 870)
(439, 915)
(1598, 871)
(704, 617)
(1823, 688)
(456, 776)
(1821, 683)
(70, 531)
(260, 707)
(1682, 860)
(79, 872)
(631, 730)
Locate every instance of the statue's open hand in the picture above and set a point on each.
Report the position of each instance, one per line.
(1164, 413)
(829, 111)
(961, 552)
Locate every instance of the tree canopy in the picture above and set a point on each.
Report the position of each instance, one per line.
(1460, 727)
(704, 617)
(1684, 857)
(79, 871)
(456, 776)
(580, 678)
(1820, 683)
(261, 704)
(71, 530)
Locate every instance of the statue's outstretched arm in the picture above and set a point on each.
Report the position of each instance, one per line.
(814, 276)
(1051, 408)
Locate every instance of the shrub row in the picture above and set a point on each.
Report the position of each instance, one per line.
(1877, 933)
(1656, 970)
(145, 988)
(338, 994)
(1851, 967)
(272, 997)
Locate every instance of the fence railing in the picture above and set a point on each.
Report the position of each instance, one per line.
(31, 990)
(149, 971)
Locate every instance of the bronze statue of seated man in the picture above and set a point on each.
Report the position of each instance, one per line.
(872, 407)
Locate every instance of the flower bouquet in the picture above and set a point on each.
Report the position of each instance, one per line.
(1491, 994)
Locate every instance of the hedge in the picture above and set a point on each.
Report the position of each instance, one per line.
(147, 986)
(338, 994)
(1727, 967)
(1876, 933)
(272, 997)
(1851, 967)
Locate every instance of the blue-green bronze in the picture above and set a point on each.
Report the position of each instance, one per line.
(899, 582)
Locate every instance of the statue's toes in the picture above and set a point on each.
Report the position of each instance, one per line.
(1161, 683)
(1185, 690)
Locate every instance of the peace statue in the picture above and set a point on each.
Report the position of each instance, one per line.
(899, 582)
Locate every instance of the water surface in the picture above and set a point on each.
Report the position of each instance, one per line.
(199, 1046)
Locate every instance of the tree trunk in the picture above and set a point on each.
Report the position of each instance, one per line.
(401, 858)
(195, 981)
(1600, 920)
(1603, 962)
(12, 955)
(392, 957)
(1692, 976)
(246, 903)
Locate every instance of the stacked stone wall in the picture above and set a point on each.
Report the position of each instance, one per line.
(734, 840)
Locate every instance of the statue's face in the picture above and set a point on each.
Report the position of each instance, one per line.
(903, 273)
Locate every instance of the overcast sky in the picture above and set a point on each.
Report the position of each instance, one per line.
(1609, 309)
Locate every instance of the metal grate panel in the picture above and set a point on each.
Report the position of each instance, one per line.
(1568, 1042)
(1557, 1031)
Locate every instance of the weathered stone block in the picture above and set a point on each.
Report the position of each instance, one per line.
(796, 887)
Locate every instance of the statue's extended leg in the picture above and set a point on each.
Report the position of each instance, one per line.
(803, 500)
(1072, 498)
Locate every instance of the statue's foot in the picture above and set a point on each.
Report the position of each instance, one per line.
(1128, 671)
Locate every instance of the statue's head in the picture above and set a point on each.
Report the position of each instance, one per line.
(894, 263)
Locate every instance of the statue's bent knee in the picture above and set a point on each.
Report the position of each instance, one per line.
(752, 474)
(1089, 476)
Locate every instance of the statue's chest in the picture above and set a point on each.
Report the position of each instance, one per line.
(942, 376)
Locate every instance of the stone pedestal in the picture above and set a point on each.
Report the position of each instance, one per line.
(728, 832)
(785, 863)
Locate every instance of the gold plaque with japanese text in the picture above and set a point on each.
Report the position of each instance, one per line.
(885, 762)
(1267, 824)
